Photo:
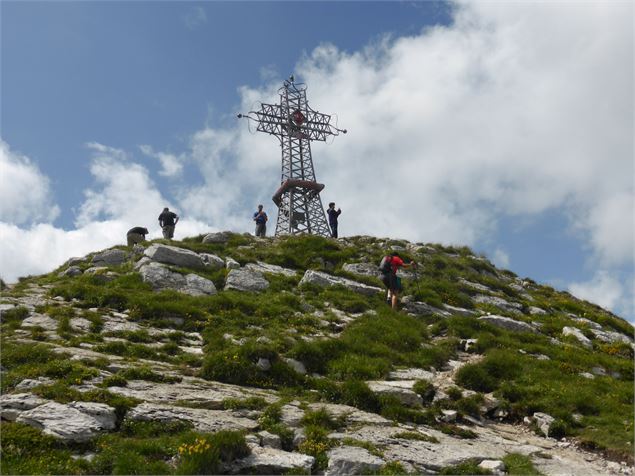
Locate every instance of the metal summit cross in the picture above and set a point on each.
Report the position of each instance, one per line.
(295, 124)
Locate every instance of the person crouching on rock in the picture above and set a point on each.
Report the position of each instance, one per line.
(136, 235)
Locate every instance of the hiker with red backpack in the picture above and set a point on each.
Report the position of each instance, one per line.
(389, 266)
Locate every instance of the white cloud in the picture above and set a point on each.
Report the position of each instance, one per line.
(123, 196)
(171, 165)
(194, 18)
(509, 111)
(501, 258)
(25, 194)
(605, 290)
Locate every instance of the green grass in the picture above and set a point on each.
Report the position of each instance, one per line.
(519, 464)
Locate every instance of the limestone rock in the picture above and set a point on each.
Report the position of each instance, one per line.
(401, 389)
(610, 336)
(196, 285)
(543, 421)
(536, 311)
(208, 421)
(117, 321)
(29, 383)
(190, 390)
(70, 272)
(218, 237)
(160, 277)
(212, 261)
(362, 269)
(12, 404)
(495, 466)
(322, 279)
(411, 374)
(231, 263)
(352, 460)
(75, 261)
(508, 323)
(175, 256)
(80, 324)
(575, 332)
(76, 421)
(421, 308)
(263, 364)
(476, 286)
(40, 320)
(296, 365)
(458, 310)
(246, 280)
(449, 416)
(270, 440)
(110, 258)
(512, 307)
(271, 461)
(270, 268)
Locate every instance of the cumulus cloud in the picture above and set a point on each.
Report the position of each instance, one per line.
(500, 258)
(123, 196)
(606, 290)
(25, 194)
(171, 165)
(508, 111)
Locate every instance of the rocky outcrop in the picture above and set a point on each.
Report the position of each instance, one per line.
(160, 278)
(325, 280)
(40, 320)
(578, 335)
(511, 307)
(352, 460)
(75, 422)
(246, 280)
(418, 308)
(110, 258)
(175, 256)
(270, 268)
(543, 422)
(218, 237)
(400, 389)
(610, 336)
(70, 272)
(11, 405)
(212, 261)
(208, 421)
(264, 460)
(508, 323)
(362, 269)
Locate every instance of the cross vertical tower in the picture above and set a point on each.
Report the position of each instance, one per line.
(296, 125)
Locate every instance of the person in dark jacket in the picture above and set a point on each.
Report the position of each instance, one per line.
(260, 217)
(136, 235)
(167, 222)
(333, 214)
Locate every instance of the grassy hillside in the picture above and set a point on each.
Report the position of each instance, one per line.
(588, 390)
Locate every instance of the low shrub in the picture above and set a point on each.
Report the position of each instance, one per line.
(425, 390)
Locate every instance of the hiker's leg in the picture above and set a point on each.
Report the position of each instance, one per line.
(130, 240)
(166, 233)
(395, 300)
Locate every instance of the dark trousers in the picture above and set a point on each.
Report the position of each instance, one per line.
(333, 230)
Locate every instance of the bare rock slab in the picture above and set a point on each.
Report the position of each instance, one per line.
(578, 335)
(325, 280)
(244, 279)
(508, 323)
(175, 256)
(270, 268)
(352, 460)
(190, 390)
(208, 421)
(160, 277)
(11, 405)
(264, 460)
(110, 258)
(400, 389)
(76, 421)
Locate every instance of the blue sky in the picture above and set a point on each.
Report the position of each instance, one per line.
(504, 127)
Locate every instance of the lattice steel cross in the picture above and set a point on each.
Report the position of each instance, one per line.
(296, 125)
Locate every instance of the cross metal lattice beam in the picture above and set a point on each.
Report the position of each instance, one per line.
(296, 125)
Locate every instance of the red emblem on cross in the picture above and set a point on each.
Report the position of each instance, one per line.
(297, 117)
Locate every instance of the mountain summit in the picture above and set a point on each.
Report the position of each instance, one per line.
(228, 354)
